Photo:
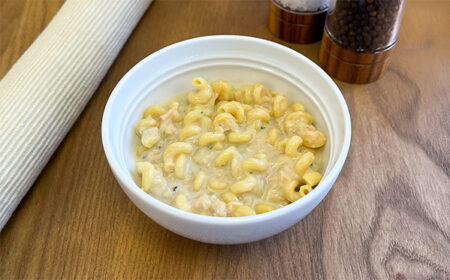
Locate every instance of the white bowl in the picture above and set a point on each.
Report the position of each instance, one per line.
(240, 60)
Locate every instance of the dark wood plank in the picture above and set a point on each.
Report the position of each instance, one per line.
(386, 217)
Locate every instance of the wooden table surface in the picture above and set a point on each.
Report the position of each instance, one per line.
(387, 216)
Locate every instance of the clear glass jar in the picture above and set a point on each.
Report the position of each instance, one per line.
(304, 5)
(364, 25)
(359, 38)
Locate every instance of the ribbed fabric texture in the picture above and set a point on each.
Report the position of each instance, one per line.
(48, 87)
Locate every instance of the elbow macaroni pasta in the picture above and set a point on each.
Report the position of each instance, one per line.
(225, 152)
(210, 138)
(189, 130)
(226, 156)
(258, 163)
(154, 111)
(198, 181)
(244, 186)
(234, 108)
(225, 121)
(172, 151)
(292, 146)
(147, 172)
(203, 95)
(240, 137)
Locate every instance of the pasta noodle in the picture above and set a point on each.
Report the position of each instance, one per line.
(224, 152)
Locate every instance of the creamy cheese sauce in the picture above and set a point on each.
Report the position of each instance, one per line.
(228, 162)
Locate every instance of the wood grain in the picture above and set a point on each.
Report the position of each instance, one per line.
(387, 217)
(351, 67)
(301, 28)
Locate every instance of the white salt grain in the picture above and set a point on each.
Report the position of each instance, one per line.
(304, 5)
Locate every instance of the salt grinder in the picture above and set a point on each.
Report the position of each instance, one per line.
(298, 21)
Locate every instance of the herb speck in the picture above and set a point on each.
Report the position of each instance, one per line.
(175, 188)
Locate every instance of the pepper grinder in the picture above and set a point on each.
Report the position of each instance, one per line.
(359, 38)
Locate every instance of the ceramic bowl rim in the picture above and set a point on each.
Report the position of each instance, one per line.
(124, 180)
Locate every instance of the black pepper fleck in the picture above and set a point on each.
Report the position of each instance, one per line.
(364, 25)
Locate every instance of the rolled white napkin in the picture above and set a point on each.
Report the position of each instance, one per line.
(48, 87)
